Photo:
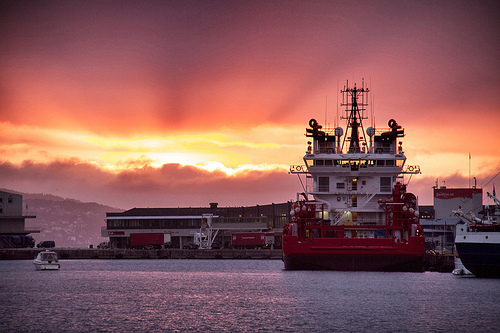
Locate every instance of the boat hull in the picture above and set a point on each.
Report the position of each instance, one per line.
(481, 259)
(360, 255)
(351, 262)
(46, 266)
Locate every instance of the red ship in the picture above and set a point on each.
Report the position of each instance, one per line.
(360, 217)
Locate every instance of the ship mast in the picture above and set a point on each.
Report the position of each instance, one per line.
(355, 113)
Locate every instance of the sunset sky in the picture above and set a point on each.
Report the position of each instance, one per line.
(183, 103)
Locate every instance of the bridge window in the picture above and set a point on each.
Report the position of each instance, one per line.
(385, 184)
(324, 184)
(354, 165)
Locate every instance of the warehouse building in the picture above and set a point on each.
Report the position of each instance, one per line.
(178, 227)
(439, 221)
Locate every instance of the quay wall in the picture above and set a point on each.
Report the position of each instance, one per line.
(439, 263)
(88, 253)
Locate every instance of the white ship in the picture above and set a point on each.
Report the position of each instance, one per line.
(478, 242)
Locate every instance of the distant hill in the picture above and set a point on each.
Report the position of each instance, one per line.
(68, 222)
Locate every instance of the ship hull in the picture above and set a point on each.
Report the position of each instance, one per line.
(481, 259)
(479, 249)
(350, 262)
(360, 255)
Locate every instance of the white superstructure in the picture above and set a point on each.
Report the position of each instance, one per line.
(352, 170)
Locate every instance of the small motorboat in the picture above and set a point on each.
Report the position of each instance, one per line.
(46, 260)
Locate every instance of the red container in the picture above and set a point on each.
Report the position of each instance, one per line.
(252, 239)
(147, 239)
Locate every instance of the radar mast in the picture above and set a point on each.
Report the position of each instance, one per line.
(355, 100)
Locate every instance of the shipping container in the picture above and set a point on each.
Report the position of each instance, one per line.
(144, 239)
(252, 240)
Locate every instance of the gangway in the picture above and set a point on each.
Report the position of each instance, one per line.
(207, 233)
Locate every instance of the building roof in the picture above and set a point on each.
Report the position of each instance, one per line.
(164, 211)
(247, 211)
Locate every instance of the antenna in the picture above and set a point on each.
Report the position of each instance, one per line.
(337, 116)
(469, 170)
(326, 110)
(372, 107)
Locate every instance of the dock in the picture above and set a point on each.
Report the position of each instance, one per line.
(92, 253)
(432, 262)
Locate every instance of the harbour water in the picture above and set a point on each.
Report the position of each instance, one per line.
(238, 296)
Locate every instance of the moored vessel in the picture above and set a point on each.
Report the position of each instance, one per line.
(478, 242)
(355, 213)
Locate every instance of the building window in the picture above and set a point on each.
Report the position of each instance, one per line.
(9, 200)
(385, 184)
(324, 184)
(340, 185)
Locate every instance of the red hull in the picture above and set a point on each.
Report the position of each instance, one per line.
(354, 255)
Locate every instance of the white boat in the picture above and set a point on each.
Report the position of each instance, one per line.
(46, 260)
(460, 268)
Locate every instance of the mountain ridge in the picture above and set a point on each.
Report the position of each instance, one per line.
(68, 222)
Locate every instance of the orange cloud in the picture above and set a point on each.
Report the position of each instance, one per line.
(146, 186)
